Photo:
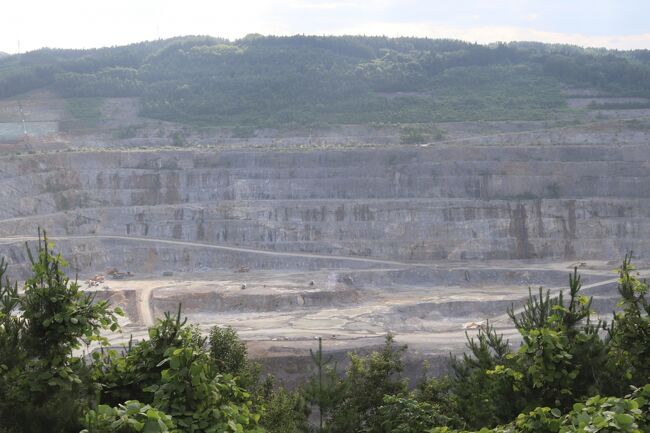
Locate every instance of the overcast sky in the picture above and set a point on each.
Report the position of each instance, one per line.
(620, 24)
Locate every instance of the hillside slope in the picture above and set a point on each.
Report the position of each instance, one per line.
(308, 80)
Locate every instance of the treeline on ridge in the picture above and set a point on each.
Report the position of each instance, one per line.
(267, 81)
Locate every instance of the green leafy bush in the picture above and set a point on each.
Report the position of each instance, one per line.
(198, 399)
(630, 414)
(130, 417)
(284, 411)
(405, 414)
(227, 351)
(361, 391)
(628, 352)
(44, 385)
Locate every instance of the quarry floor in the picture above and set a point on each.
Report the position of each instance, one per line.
(428, 306)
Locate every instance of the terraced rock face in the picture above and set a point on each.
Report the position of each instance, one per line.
(345, 244)
(445, 202)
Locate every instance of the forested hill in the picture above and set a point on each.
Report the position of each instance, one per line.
(317, 80)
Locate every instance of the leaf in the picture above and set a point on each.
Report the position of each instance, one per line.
(137, 425)
(152, 427)
(105, 410)
(624, 418)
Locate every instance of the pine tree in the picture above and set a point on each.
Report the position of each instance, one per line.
(321, 389)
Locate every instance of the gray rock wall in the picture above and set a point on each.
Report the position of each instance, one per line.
(459, 202)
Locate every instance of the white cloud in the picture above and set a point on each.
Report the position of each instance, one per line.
(85, 24)
(321, 5)
(488, 34)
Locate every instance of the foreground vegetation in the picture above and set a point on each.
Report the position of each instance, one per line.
(570, 374)
(309, 80)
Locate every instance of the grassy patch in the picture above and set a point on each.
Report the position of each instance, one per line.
(85, 108)
(418, 134)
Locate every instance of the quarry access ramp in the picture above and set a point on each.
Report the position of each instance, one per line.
(226, 248)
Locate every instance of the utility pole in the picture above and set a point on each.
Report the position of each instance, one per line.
(22, 118)
(22, 121)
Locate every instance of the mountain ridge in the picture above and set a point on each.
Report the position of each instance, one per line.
(313, 81)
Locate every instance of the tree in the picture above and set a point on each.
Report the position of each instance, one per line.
(321, 389)
(628, 352)
(126, 375)
(562, 355)
(484, 399)
(200, 400)
(406, 414)
(362, 389)
(172, 372)
(283, 411)
(44, 383)
(227, 351)
(562, 359)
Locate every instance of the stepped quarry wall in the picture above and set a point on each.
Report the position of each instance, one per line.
(408, 204)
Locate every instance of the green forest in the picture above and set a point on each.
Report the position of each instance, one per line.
(311, 80)
(569, 373)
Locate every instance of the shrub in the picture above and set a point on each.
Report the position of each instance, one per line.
(44, 385)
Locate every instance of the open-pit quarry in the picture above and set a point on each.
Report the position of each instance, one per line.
(339, 236)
